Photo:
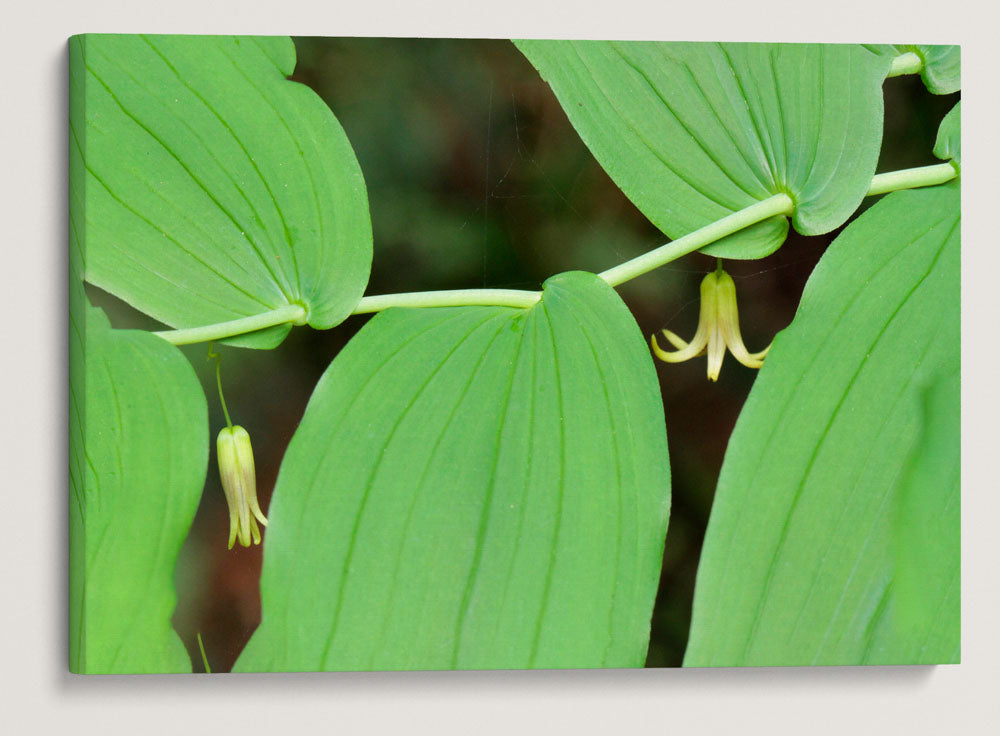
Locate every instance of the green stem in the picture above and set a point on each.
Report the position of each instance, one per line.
(923, 176)
(454, 298)
(908, 63)
(204, 657)
(294, 313)
(779, 204)
(218, 382)
(776, 205)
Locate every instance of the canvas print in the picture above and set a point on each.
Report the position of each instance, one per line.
(430, 354)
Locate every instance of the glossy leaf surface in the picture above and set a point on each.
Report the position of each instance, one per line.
(692, 132)
(138, 455)
(471, 488)
(216, 189)
(799, 564)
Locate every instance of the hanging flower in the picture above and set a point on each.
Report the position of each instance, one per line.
(718, 328)
(239, 481)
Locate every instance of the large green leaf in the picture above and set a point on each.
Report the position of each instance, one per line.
(692, 132)
(799, 562)
(138, 455)
(216, 189)
(478, 487)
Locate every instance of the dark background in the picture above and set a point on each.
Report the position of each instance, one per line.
(476, 179)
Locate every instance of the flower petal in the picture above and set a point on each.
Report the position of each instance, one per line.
(254, 531)
(675, 339)
(729, 324)
(716, 353)
(688, 351)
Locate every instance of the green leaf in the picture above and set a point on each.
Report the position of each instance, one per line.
(472, 488)
(216, 189)
(692, 132)
(798, 564)
(942, 67)
(949, 138)
(942, 72)
(138, 455)
(928, 580)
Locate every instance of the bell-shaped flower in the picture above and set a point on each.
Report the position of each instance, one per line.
(718, 328)
(239, 482)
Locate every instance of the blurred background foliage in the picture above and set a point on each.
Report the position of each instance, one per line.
(476, 179)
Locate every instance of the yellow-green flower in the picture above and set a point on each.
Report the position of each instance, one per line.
(239, 481)
(718, 328)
